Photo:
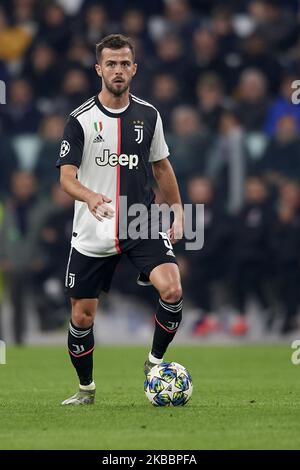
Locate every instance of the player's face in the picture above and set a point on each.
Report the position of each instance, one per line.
(116, 69)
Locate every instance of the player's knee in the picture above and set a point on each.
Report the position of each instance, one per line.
(82, 319)
(82, 316)
(172, 293)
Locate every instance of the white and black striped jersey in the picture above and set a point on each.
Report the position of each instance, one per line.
(112, 151)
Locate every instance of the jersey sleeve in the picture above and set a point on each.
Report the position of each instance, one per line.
(158, 149)
(72, 144)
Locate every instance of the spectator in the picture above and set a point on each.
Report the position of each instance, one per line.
(253, 99)
(189, 143)
(222, 26)
(178, 18)
(41, 70)
(51, 132)
(14, 39)
(286, 249)
(206, 57)
(283, 106)
(228, 163)
(74, 91)
(281, 158)
(172, 60)
(24, 14)
(134, 25)
(165, 91)
(19, 258)
(207, 265)
(276, 23)
(20, 115)
(54, 244)
(79, 54)
(54, 28)
(97, 24)
(251, 254)
(256, 54)
(211, 100)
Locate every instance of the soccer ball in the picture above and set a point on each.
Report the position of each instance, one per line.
(168, 384)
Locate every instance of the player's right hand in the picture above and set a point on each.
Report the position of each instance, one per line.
(98, 206)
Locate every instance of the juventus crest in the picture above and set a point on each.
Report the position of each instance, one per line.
(71, 280)
(139, 129)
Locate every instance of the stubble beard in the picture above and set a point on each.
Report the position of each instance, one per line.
(115, 91)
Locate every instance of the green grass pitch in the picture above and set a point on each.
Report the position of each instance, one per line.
(245, 397)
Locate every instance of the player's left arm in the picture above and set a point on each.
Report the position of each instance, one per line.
(166, 179)
(167, 183)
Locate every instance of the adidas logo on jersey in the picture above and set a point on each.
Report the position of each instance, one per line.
(114, 159)
(99, 138)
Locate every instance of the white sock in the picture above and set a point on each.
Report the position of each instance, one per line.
(154, 360)
(91, 386)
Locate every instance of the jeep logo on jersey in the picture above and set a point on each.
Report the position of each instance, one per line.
(139, 129)
(114, 159)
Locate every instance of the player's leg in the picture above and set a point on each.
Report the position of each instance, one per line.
(154, 257)
(166, 279)
(81, 346)
(81, 338)
(86, 277)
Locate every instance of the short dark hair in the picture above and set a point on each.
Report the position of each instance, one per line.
(114, 41)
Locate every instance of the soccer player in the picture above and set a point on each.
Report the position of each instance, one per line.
(107, 146)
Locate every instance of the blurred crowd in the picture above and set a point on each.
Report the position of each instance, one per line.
(221, 74)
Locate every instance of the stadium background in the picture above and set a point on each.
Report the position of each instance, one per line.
(220, 74)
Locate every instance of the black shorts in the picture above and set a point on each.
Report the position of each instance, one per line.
(87, 276)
